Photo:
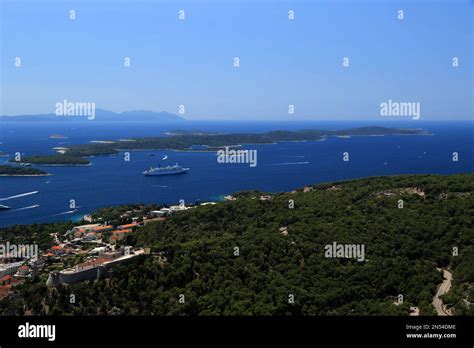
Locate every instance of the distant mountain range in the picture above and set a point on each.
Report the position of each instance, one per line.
(101, 115)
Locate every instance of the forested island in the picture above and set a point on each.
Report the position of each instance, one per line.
(408, 224)
(186, 140)
(183, 140)
(54, 160)
(6, 170)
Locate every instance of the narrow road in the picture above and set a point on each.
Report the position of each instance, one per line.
(442, 289)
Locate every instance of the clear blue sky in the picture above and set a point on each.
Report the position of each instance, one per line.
(282, 62)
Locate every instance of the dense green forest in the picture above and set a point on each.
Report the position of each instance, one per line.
(11, 170)
(57, 159)
(194, 254)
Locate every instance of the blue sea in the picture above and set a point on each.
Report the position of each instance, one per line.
(281, 167)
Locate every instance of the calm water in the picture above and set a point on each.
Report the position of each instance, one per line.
(281, 167)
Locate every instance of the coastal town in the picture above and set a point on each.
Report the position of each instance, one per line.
(88, 251)
(91, 248)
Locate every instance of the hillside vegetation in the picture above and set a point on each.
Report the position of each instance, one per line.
(195, 255)
(6, 170)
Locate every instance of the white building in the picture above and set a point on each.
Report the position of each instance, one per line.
(176, 208)
(9, 268)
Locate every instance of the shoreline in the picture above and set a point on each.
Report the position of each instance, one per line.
(62, 165)
(214, 149)
(54, 165)
(18, 175)
(220, 198)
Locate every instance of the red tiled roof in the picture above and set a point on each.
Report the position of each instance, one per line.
(122, 231)
(4, 291)
(101, 228)
(133, 224)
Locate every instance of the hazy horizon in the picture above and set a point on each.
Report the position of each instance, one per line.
(293, 119)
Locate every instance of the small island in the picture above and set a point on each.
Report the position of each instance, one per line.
(6, 170)
(54, 160)
(57, 136)
(190, 132)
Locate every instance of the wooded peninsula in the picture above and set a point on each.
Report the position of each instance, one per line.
(186, 140)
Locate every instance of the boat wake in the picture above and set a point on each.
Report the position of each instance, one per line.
(25, 208)
(66, 212)
(20, 195)
(288, 163)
